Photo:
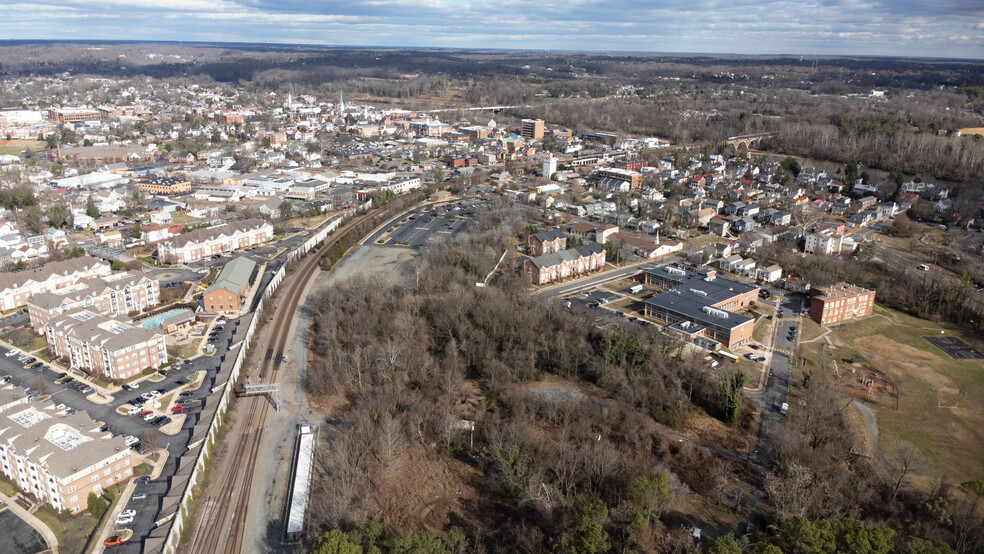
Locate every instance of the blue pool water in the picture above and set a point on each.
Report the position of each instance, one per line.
(155, 322)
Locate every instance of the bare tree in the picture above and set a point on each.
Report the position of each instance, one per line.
(905, 459)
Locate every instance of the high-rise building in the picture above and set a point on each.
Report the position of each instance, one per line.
(532, 129)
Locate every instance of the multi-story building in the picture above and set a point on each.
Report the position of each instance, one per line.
(17, 288)
(60, 458)
(634, 178)
(115, 295)
(103, 345)
(229, 290)
(840, 302)
(531, 129)
(73, 115)
(202, 243)
(565, 264)
(823, 242)
(165, 185)
(546, 242)
(701, 306)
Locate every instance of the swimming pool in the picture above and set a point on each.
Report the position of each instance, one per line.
(155, 322)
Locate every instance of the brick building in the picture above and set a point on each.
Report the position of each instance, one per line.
(546, 242)
(73, 115)
(229, 290)
(531, 129)
(104, 346)
(840, 302)
(60, 458)
(566, 264)
(700, 306)
(165, 185)
(114, 295)
(634, 178)
(16, 288)
(203, 243)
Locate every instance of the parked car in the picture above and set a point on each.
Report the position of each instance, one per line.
(143, 479)
(124, 520)
(87, 389)
(13, 352)
(178, 408)
(134, 410)
(113, 541)
(28, 361)
(138, 496)
(161, 422)
(127, 513)
(185, 394)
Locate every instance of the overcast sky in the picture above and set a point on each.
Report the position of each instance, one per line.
(933, 28)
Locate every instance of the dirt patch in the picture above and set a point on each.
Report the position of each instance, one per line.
(712, 431)
(428, 492)
(972, 131)
(328, 405)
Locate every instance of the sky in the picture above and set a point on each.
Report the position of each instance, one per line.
(925, 28)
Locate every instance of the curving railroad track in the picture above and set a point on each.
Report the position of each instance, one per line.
(223, 517)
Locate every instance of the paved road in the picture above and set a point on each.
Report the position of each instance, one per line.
(18, 536)
(591, 281)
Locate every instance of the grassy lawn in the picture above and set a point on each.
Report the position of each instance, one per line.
(184, 351)
(71, 532)
(941, 408)
(7, 486)
(181, 218)
(26, 339)
(143, 469)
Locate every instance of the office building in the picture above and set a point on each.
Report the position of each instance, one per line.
(531, 129)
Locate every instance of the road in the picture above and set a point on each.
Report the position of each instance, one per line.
(592, 281)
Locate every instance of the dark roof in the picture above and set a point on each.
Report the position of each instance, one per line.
(694, 292)
(549, 236)
(201, 235)
(571, 254)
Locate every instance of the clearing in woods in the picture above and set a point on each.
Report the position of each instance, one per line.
(920, 393)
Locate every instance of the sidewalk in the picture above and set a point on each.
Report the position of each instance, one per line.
(37, 524)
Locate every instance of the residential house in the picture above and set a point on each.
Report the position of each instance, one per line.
(546, 242)
(566, 264)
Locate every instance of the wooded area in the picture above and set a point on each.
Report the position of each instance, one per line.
(569, 449)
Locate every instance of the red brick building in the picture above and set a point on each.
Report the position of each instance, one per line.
(546, 242)
(840, 302)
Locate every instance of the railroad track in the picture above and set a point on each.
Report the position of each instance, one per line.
(226, 516)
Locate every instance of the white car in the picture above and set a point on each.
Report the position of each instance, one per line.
(134, 410)
(203, 270)
(13, 352)
(124, 520)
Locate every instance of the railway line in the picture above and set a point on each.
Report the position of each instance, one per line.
(224, 516)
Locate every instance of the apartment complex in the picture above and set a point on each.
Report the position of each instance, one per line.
(700, 306)
(841, 302)
(824, 242)
(565, 264)
(546, 242)
(60, 458)
(531, 129)
(103, 345)
(202, 243)
(114, 295)
(16, 288)
(168, 186)
(228, 292)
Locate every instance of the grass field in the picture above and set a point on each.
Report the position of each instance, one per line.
(941, 400)
(15, 146)
(26, 339)
(72, 532)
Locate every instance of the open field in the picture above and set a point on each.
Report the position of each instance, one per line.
(940, 405)
(972, 131)
(14, 146)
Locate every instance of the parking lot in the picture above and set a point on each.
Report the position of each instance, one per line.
(131, 425)
(18, 536)
(426, 226)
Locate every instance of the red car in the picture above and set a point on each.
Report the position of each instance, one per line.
(145, 413)
(178, 408)
(113, 541)
(754, 346)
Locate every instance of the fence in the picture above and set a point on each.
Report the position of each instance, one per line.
(177, 510)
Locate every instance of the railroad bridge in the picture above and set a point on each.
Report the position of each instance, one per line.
(748, 141)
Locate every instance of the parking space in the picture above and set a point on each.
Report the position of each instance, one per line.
(602, 308)
(18, 536)
(148, 493)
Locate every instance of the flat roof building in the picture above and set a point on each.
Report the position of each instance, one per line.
(167, 186)
(840, 302)
(702, 304)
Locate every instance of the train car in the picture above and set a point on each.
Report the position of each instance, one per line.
(295, 513)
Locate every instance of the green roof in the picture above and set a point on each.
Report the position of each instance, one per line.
(235, 275)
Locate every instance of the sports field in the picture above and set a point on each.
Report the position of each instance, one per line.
(939, 404)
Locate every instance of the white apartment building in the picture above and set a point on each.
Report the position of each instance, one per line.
(824, 242)
(60, 458)
(203, 243)
(16, 288)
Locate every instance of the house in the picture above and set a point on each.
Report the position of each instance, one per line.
(112, 237)
(861, 219)
(546, 242)
(155, 233)
(769, 274)
(781, 217)
(730, 262)
(55, 236)
(886, 210)
(748, 210)
(718, 226)
(743, 225)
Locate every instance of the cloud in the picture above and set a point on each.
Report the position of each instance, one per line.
(885, 27)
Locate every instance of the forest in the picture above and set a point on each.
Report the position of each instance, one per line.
(562, 433)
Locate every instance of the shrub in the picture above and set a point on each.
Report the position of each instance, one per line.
(97, 506)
